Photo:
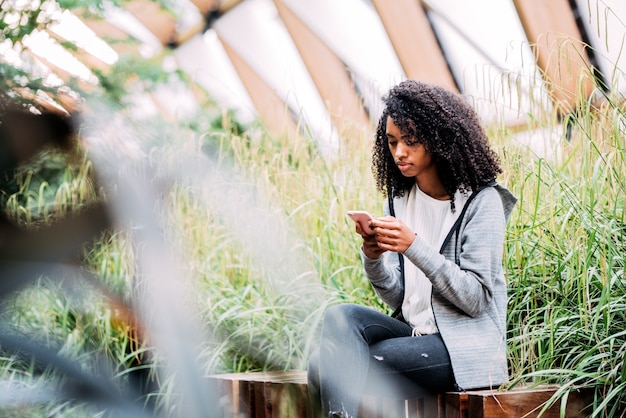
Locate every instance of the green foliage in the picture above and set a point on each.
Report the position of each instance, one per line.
(130, 73)
(47, 188)
(12, 80)
(244, 300)
(565, 263)
(18, 20)
(96, 6)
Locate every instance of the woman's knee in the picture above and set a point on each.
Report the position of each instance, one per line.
(341, 315)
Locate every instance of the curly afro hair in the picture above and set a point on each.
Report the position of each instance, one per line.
(449, 129)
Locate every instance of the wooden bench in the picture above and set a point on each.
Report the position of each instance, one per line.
(284, 395)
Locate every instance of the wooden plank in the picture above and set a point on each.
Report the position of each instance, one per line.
(431, 406)
(226, 392)
(284, 394)
(246, 401)
(412, 408)
(421, 408)
(225, 396)
(263, 394)
(369, 407)
(287, 399)
(527, 403)
(392, 408)
(455, 405)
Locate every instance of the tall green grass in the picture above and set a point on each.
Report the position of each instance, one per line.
(565, 261)
(265, 320)
(564, 256)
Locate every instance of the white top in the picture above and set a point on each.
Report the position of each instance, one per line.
(431, 219)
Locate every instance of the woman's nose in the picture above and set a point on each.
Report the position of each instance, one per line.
(400, 149)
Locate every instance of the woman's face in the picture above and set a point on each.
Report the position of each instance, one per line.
(412, 160)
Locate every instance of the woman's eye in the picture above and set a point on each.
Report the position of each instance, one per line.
(393, 143)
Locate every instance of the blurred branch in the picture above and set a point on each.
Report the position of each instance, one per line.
(30, 253)
(77, 385)
(23, 134)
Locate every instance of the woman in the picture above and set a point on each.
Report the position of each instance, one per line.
(430, 157)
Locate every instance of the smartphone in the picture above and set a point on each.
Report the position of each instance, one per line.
(362, 218)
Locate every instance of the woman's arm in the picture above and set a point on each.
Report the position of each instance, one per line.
(384, 272)
(385, 276)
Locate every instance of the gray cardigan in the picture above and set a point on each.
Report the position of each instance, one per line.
(469, 300)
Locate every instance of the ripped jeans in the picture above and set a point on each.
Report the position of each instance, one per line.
(364, 351)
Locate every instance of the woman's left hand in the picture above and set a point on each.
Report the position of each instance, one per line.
(392, 234)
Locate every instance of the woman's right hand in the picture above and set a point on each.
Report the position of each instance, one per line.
(370, 246)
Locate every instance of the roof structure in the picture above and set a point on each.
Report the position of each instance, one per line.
(322, 65)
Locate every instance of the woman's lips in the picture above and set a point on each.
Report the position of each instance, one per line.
(403, 166)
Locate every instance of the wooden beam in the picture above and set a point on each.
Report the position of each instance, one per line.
(526, 403)
(272, 110)
(330, 76)
(64, 75)
(88, 59)
(551, 29)
(156, 19)
(414, 41)
(205, 6)
(116, 38)
(44, 101)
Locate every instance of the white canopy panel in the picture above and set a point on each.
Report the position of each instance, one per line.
(490, 57)
(267, 47)
(203, 58)
(353, 30)
(605, 22)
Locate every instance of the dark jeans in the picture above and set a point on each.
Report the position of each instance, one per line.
(365, 351)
